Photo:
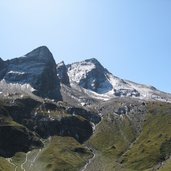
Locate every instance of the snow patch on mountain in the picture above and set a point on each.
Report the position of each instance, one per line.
(16, 72)
(78, 70)
(99, 83)
(91, 94)
(7, 89)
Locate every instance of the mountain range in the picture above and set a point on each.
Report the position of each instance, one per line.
(79, 117)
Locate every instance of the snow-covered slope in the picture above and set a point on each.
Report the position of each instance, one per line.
(100, 83)
(15, 89)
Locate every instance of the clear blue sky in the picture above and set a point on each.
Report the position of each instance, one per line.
(132, 38)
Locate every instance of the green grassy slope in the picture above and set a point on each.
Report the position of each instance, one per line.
(5, 166)
(148, 150)
(59, 154)
(166, 166)
(63, 153)
(113, 137)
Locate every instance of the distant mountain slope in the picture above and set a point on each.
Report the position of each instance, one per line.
(92, 76)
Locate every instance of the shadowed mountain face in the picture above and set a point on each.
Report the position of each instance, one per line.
(62, 73)
(36, 68)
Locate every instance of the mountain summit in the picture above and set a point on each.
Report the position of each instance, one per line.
(38, 72)
(92, 76)
(36, 69)
(41, 53)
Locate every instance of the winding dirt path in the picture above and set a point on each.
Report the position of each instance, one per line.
(91, 149)
(89, 161)
(10, 162)
(22, 165)
(33, 161)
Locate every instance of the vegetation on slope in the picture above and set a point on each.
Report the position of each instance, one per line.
(116, 143)
(63, 153)
(119, 148)
(5, 165)
(153, 144)
(58, 154)
(112, 137)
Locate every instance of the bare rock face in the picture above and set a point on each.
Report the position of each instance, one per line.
(1, 63)
(3, 68)
(31, 114)
(62, 73)
(37, 68)
(18, 138)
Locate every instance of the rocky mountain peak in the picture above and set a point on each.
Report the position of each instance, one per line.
(60, 64)
(86, 65)
(1, 62)
(93, 60)
(41, 53)
(62, 73)
(38, 69)
(89, 74)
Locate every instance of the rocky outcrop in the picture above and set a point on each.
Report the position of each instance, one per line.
(62, 73)
(1, 63)
(37, 68)
(126, 92)
(90, 116)
(3, 68)
(22, 109)
(49, 119)
(16, 138)
(72, 126)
